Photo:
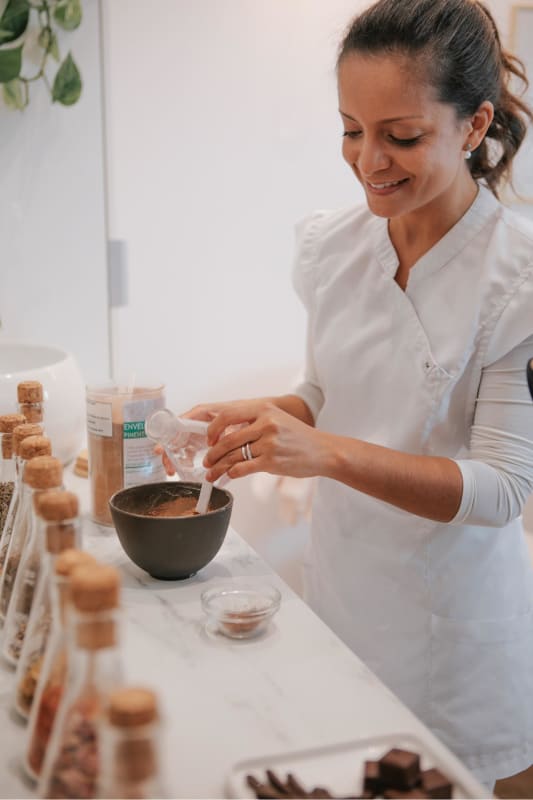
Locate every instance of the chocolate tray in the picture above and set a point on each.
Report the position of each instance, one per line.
(339, 768)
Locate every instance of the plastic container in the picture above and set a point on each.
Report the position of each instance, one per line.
(52, 676)
(25, 556)
(60, 530)
(184, 442)
(130, 746)
(120, 453)
(72, 763)
(240, 611)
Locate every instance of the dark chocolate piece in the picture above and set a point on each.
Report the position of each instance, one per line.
(276, 782)
(262, 790)
(399, 769)
(435, 784)
(296, 788)
(371, 780)
(320, 793)
(396, 793)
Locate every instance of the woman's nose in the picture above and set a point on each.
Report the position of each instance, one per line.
(371, 157)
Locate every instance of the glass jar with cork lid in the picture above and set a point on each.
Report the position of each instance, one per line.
(30, 398)
(130, 746)
(60, 530)
(52, 676)
(41, 472)
(119, 451)
(7, 463)
(20, 433)
(72, 763)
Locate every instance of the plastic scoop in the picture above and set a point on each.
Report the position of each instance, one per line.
(185, 443)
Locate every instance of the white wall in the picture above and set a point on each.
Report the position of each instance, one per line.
(223, 131)
(53, 275)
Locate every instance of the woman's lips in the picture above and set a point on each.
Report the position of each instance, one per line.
(385, 187)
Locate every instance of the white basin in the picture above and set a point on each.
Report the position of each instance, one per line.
(63, 386)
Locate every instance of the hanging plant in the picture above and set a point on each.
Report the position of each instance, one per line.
(16, 41)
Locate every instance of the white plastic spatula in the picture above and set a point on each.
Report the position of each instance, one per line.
(204, 497)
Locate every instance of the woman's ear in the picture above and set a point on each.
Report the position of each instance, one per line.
(479, 124)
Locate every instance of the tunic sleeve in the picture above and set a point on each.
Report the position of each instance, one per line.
(498, 477)
(303, 275)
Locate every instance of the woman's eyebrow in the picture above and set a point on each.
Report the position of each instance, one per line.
(390, 119)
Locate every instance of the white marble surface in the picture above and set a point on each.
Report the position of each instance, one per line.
(295, 687)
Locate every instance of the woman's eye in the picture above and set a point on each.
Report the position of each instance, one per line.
(351, 134)
(405, 142)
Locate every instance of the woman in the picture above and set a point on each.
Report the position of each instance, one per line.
(414, 413)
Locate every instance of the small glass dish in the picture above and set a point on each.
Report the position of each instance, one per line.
(240, 612)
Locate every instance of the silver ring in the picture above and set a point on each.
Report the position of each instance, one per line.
(246, 451)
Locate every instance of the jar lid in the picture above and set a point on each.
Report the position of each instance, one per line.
(30, 392)
(43, 472)
(22, 432)
(57, 505)
(10, 421)
(68, 560)
(94, 587)
(131, 706)
(32, 446)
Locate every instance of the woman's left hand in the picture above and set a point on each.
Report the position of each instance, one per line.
(278, 442)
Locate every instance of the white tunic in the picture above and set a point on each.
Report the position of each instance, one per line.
(443, 613)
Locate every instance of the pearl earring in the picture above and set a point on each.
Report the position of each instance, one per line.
(468, 154)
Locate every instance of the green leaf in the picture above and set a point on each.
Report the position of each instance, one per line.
(14, 20)
(67, 83)
(67, 14)
(10, 64)
(48, 41)
(13, 94)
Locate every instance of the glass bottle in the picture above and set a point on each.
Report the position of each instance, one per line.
(52, 677)
(183, 440)
(130, 746)
(40, 474)
(20, 432)
(60, 530)
(7, 463)
(71, 767)
(30, 400)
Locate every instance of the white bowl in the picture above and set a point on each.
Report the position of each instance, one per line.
(63, 388)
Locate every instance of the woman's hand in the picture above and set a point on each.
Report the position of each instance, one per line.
(279, 442)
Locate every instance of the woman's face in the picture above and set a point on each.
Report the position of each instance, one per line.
(405, 147)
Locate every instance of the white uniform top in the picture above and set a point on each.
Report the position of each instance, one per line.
(443, 613)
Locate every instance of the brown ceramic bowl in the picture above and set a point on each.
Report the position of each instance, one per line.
(169, 548)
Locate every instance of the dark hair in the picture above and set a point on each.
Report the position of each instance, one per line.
(460, 48)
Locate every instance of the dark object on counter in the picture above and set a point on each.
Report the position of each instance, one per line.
(435, 784)
(169, 548)
(371, 780)
(530, 377)
(399, 769)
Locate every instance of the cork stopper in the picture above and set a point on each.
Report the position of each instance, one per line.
(10, 421)
(95, 588)
(43, 472)
(22, 432)
(33, 446)
(70, 559)
(30, 392)
(57, 505)
(132, 706)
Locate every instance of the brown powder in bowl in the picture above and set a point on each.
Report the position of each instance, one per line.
(177, 507)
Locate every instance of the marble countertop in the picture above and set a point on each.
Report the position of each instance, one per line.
(296, 686)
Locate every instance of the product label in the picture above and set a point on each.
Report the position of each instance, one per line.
(141, 465)
(99, 418)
